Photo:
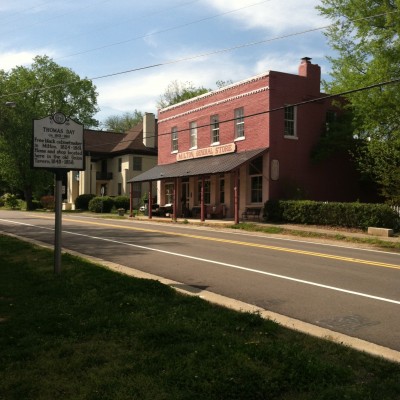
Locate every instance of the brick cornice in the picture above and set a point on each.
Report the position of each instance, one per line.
(215, 103)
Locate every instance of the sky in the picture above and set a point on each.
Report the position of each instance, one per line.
(146, 45)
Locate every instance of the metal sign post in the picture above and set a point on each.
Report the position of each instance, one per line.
(57, 145)
(58, 223)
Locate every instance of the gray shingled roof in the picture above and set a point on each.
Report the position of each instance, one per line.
(198, 166)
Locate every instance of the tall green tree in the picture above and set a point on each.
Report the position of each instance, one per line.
(122, 123)
(179, 91)
(366, 43)
(38, 91)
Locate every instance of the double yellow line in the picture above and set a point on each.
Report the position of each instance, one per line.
(239, 243)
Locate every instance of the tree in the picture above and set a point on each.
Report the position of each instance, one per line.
(122, 124)
(220, 83)
(38, 91)
(366, 44)
(177, 92)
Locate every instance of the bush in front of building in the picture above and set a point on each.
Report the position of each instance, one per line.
(103, 204)
(9, 200)
(122, 202)
(36, 204)
(82, 201)
(348, 215)
(48, 202)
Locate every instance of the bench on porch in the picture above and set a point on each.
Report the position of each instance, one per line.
(216, 212)
(252, 213)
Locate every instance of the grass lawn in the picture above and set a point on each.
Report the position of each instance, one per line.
(307, 233)
(91, 333)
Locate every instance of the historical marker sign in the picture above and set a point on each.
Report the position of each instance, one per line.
(57, 143)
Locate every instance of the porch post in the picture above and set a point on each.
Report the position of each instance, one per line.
(236, 196)
(131, 200)
(202, 216)
(174, 200)
(150, 202)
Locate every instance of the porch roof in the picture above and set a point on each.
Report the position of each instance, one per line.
(199, 166)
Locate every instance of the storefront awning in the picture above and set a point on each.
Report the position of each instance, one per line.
(199, 166)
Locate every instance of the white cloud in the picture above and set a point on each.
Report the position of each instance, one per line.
(142, 90)
(272, 15)
(9, 60)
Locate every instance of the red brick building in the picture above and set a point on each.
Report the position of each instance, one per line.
(237, 147)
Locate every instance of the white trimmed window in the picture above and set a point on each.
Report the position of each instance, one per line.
(207, 191)
(193, 135)
(214, 123)
(169, 193)
(239, 122)
(256, 178)
(174, 139)
(290, 121)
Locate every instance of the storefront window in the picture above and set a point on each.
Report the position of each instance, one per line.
(207, 194)
(222, 190)
(255, 172)
(169, 193)
(256, 189)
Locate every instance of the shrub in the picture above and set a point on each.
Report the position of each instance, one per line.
(82, 201)
(10, 200)
(36, 204)
(122, 202)
(102, 204)
(349, 215)
(48, 202)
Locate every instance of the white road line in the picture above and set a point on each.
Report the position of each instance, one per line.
(238, 267)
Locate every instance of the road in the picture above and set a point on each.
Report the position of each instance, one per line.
(348, 290)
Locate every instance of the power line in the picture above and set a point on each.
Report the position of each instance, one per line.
(141, 17)
(161, 31)
(3, 21)
(57, 16)
(299, 104)
(211, 53)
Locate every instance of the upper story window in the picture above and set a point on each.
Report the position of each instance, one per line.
(193, 135)
(330, 118)
(290, 121)
(174, 139)
(119, 164)
(239, 123)
(214, 123)
(137, 163)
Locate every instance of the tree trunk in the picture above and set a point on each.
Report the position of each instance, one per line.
(28, 198)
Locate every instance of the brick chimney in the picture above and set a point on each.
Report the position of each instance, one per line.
(313, 74)
(149, 130)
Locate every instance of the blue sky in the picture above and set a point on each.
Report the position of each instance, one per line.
(101, 37)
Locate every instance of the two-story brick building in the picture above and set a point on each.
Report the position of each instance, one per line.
(237, 147)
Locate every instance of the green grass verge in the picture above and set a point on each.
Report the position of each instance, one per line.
(90, 333)
(380, 244)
